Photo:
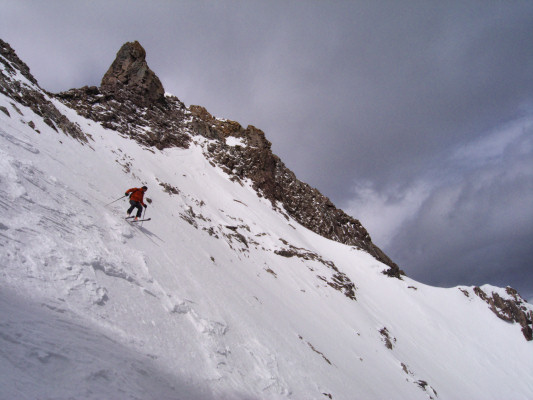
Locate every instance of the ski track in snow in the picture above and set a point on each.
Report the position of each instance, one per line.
(217, 297)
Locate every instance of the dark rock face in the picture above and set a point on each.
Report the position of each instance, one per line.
(509, 310)
(31, 95)
(159, 124)
(130, 72)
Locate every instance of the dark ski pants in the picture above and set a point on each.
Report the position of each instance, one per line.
(138, 205)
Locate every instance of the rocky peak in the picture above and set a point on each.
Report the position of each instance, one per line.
(130, 72)
(130, 86)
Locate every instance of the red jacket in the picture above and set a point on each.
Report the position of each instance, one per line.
(137, 194)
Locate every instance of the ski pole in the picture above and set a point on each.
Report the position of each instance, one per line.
(117, 199)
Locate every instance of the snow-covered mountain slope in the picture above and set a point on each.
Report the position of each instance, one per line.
(221, 295)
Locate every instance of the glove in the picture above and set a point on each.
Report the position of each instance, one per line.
(125, 194)
(145, 205)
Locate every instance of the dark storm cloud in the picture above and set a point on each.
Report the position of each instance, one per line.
(371, 102)
(468, 220)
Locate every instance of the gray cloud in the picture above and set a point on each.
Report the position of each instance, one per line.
(467, 221)
(370, 102)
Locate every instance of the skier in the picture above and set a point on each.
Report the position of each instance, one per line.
(136, 200)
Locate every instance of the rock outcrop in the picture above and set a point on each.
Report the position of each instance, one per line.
(159, 124)
(131, 100)
(511, 309)
(130, 73)
(16, 63)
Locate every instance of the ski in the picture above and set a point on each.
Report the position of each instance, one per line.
(141, 220)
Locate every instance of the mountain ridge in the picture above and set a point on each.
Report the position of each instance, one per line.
(224, 294)
(167, 118)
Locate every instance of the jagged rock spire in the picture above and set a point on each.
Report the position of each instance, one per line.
(130, 71)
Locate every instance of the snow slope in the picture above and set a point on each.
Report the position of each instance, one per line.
(196, 303)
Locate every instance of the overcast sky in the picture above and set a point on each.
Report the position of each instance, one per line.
(416, 117)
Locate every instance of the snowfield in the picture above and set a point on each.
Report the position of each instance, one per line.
(219, 296)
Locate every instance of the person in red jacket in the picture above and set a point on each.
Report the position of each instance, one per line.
(136, 200)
